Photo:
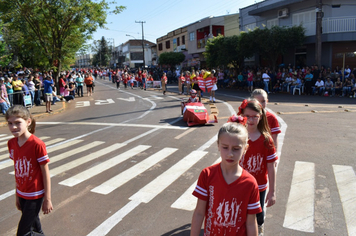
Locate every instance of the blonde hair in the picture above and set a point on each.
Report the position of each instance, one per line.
(257, 92)
(234, 128)
(23, 113)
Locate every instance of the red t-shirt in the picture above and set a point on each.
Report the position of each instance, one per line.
(256, 159)
(27, 160)
(227, 204)
(273, 123)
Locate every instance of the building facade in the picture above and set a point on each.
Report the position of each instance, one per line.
(338, 28)
(83, 61)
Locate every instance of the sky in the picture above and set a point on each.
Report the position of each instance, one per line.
(162, 17)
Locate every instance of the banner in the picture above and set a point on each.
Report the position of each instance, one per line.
(209, 84)
(201, 84)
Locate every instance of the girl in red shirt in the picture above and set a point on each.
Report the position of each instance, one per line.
(33, 184)
(227, 211)
(260, 157)
(164, 83)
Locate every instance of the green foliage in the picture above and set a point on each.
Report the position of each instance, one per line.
(171, 58)
(102, 53)
(268, 43)
(56, 29)
(5, 55)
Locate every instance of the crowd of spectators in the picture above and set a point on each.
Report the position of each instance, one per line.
(309, 80)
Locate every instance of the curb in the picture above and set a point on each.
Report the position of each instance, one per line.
(44, 114)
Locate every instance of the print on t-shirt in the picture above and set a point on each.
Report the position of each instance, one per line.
(23, 167)
(254, 164)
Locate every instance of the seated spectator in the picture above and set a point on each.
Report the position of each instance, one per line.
(67, 96)
(295, 84)
(338, 87)
(329, 87)
(287, 82)
(353, 91)
(319, 87)
(346, 89)
(276, 87)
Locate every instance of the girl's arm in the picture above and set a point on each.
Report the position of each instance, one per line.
(47, 201)
(251, 225)
(18, 205)
(198, 217)
(271, 196)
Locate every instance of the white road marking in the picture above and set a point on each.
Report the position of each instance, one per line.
(82, 104)
(1, 135)
(155, 97)
(187, 201)
(108, 224)
(130, 99)
(95, 170)
(125, 176)
(7, 194)
(114, 124)
(104, 102)
(157, 185)
(75, 163)
(5, 156)
(9, 163)
(300, 207)
(346, 183)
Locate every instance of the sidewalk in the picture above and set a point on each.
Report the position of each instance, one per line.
(40, 111)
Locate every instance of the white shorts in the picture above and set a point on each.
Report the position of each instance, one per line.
(214, 88)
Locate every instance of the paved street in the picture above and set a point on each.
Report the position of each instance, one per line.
(123, 162)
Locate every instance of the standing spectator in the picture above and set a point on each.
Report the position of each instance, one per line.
(181, 81)
(250, 81)
(62, 84)
(17, 85)
(221, 79)
(31, 88)
(9, 90)
(48, 83)
(38, 85)
(144, 77)
(89, 84)
(308, 83)
(80, 81)
(4, 103)
(266, 79)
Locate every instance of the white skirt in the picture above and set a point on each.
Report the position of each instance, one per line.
(214, 88)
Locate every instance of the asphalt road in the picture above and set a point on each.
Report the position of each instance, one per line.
(124, 163)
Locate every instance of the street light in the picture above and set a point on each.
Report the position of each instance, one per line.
(130, 36)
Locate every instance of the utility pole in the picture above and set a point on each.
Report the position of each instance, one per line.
(143, 47)
(319, 18)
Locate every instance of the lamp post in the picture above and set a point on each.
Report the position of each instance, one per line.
(130, 36)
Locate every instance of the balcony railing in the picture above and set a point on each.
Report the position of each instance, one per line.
(339, 25)
(332, 25)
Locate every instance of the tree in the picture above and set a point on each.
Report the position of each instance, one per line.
(103, 53)
(5, 55)
(171, 58)
(60, 27)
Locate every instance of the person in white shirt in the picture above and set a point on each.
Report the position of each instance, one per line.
(319, 87)
(266, 80)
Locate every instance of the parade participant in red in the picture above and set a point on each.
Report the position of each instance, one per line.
(33, 183)
(214, 88)
(187, 81)
(194, 79)
(181, 82)
(273, 124)
(219, 190)
(164, 83)
(260, 157)
(144, 76)
(193, 96)
(125, 78)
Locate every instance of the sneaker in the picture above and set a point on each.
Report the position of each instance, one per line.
(260, 230)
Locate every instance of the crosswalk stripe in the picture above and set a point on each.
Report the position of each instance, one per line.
(1, 135)
(95, 170)
(56, 140)
(5, 156)
(300, 207)
(6, 138)
(346, 183)
(157, 185)
(65, 145)
(187, 201)
(122, 178)
(85, 159)
(58, 158)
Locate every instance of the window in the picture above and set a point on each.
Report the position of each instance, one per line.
(168, 44)
(307, 19)
(183, 40)
(135, 56)
(191, 36)
(273, 22)
(160, 47)
(178, 41)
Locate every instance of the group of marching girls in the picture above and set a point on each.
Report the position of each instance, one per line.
(129, 79)
(198, 82)
(244, 182)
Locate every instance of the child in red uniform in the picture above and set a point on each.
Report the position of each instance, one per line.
(260, 157)
(193, 96)
(261, 96)
(227, 194)
(33, 184)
